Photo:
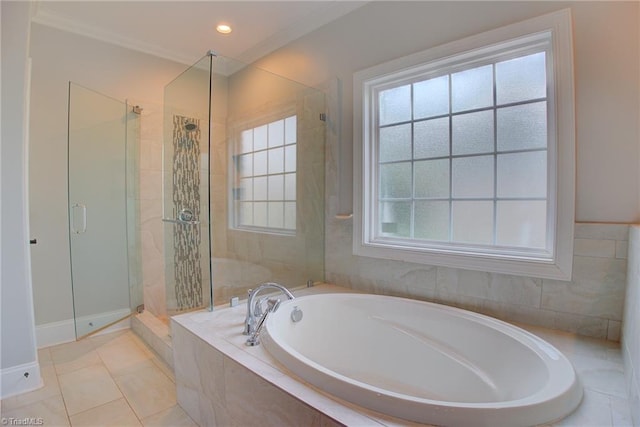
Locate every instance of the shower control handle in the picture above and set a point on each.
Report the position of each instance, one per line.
(185, 217)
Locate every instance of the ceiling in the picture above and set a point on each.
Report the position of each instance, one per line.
(184, 31)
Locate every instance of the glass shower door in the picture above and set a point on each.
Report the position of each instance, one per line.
(98, 209)
(186, 189)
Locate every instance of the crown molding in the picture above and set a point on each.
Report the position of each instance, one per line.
(44, 17)
(329, 12)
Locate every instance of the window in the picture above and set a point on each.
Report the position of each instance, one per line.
(264, 192)
(467, 153)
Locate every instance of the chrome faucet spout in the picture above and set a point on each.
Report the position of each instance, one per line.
(252, 306)
(254, 339)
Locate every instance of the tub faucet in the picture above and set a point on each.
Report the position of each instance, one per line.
(253, 307)
(272, 306)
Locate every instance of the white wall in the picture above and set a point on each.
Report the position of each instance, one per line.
(18, 354)
(60, 57)
(607, 60)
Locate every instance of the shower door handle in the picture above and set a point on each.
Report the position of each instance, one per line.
(83, 209)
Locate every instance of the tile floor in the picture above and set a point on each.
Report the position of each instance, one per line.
(107, 380)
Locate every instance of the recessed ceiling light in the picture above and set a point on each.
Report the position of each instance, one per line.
(223, 28)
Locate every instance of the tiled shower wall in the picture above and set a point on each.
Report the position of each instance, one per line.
(187, 185)
(151, 233)
(591, 304)
(631, 325)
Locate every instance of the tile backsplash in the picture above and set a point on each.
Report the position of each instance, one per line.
(591, 304)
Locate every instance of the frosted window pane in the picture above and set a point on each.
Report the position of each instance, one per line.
(472, 88)
(522, 127)
(245, 213)
(245, 165)
(260, 188)
(276, 160)
(260, 214)
(395, 180)
(290, 130)
(260, 163)
(522, 174)
(431, 178)
(246, 141)
(431, 138)
(290, 186)
(472, 177)
(473, 133)
(395, 219)
(290, 158)
(431, 221)
(395, 143)
(276, 215)
(472, 222)
(521, 223)
(290, 215)
(395, 105)
(431, 97)
(246, 189)
(521, 79)
(260, 138)
(276, 187)
(276, 133)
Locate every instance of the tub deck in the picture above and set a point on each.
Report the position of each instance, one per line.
(247, 386)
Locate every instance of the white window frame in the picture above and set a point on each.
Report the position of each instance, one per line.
(556, 261)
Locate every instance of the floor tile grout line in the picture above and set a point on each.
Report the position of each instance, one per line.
(64, 401)
(113, 378)
(112, 375)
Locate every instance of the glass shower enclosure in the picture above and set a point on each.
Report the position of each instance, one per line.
(243, 183)
(102, 154)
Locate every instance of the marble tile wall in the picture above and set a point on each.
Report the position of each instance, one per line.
(631, 325)
(243, 258)
(151, 231)
(591, 304)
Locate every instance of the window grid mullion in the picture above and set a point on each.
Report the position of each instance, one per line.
(412, 212)
(495, 156)
(463, 112)
(450, 158)
(493, 152)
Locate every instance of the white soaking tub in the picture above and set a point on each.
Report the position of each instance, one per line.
(423, 362)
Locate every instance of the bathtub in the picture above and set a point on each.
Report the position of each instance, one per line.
(423, 362)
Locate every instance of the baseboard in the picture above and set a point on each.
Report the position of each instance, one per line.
(20, 379)
(55, 333)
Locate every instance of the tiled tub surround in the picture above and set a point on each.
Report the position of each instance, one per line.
(631, 325)
(591, 304)
(220, 381)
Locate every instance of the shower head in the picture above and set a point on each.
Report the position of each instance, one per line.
(190, 127)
